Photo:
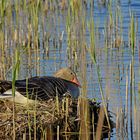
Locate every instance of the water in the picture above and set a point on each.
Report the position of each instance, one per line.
(114, 63)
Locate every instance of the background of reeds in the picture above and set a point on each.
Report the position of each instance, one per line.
(99, 39)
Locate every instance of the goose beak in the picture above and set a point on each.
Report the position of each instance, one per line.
(75, 80)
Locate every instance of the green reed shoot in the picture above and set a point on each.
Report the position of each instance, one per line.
(29, 118)
(14, 77)
(75, 6)
(132, 41)
(132, 33)
(92, 53)
(2, 37)
(2, 10)
(15, 70)
(2, 61)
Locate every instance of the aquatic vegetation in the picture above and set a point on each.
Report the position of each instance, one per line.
(98, 39)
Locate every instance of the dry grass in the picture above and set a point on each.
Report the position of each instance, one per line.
(44, 120)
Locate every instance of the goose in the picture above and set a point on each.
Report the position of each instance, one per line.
(42, 88)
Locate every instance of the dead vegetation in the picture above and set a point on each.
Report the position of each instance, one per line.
(51, 119)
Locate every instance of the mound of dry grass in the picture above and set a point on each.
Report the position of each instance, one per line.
(48, 120)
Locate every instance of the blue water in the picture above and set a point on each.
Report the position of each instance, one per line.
(114, 63)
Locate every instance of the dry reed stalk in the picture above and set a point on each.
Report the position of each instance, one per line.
(57, 104)
(83, 70)
(29, 28)
(24, 136)
(29, 126)
(131, 99)
(93, 126)
(83, 109)
(49, 133)
(135, 106)
(58, 132)
(107, 86)
(1, 72)
(135, 111)
(63, 4)
(35, 120)
(66, 115)
(117, 122)
(135, 119)
(138, 124)
(139, 51)
(122, 126)
(126, 99)
(100, 124)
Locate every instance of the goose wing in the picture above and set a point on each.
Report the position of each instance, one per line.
(41, 88)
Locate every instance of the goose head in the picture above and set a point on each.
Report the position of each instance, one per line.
(67, 74)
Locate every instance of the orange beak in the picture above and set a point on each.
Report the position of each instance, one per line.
(75, 80)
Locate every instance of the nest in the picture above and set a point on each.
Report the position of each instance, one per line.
(50, 119)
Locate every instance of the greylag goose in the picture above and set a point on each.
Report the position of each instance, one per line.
(42, 88)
